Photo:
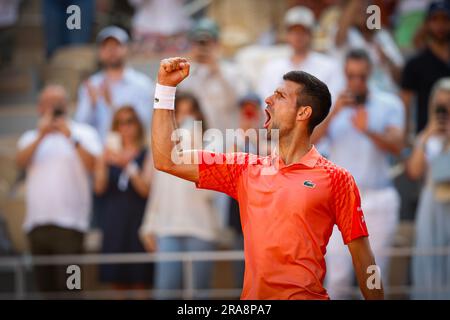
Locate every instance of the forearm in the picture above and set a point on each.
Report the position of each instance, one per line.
(386, 142)
(23, 157)
(368, 280)
(140, 185)
(87, 158)
(100, 177)
(367, 273)
(163, 125)
(416, 164)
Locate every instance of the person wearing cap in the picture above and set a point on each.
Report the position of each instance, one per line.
(215, 83)
(114, 85)
(353, 33)
(430, 64)
(299, 22)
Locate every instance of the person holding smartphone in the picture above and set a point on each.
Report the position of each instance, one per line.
(364, 128)
(431, 274)
(58, 157)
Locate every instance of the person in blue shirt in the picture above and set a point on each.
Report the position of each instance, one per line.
(364, 128)
(115, 85)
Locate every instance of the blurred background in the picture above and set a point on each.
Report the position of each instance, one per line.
(76, 176)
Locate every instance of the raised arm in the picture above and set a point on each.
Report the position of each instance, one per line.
(171, 72)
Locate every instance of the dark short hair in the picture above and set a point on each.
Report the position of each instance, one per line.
(312, 92)
(358, 54)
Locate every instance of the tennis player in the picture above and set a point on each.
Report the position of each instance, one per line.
(288, 215)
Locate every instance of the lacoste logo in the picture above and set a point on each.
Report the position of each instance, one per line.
(156, 100)
(309, 184)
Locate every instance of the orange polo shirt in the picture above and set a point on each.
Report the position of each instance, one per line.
(287, 216)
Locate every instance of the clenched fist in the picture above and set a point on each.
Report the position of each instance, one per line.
(172, 71)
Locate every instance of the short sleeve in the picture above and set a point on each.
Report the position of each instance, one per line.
(89, 139)
(347, 206)
(221, 171)
(26, 139)
(409, 76)
(396, 114)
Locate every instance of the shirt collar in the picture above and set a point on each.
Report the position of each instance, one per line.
(309, 159)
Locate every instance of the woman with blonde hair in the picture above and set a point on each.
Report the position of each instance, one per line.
(431, 158)
(122, 178)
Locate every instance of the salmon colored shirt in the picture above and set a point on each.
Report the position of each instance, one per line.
(287, 215)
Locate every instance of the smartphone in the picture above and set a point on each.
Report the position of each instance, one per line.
(114, 142)
(442, 115)
(58, 111)
(360, 99)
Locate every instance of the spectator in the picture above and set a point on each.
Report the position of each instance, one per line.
(429, 65)
(215, 83)
(353, 33)
(300, 22)
(364, 128)
(122, 178)
(160, 24)
(58, 157)
(432, 273)
(410, 16)
(57, 34)
(249, 119)
(114, 86)
(179, 218)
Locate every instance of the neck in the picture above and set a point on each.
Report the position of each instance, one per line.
(440, 49)
(299, 56)
(115, 73)
(294, 146)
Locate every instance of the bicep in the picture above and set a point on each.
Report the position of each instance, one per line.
(185, 166)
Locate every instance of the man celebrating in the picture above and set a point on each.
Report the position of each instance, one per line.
(287, 216)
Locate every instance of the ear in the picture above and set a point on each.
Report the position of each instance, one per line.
(304, 113)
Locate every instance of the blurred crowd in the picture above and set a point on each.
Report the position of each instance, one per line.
(93, 170)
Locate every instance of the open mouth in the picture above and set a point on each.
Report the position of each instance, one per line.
(268, 118)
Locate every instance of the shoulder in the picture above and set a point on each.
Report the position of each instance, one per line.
(417, 59)
(276, 64)
(138, 77)
(387, 100)
(339, 176)
(26, 138)
(321, 58)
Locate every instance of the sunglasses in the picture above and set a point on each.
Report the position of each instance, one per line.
(126, 122)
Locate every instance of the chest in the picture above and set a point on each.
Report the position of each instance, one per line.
(289, 194)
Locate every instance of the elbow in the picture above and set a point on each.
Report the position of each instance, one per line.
(413, 172)
(162, 166)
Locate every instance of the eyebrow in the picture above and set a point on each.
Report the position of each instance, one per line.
(277, 91)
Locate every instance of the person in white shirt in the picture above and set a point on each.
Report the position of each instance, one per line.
(215, 83)
(182, 219)
(58, 158)
(299, 22)
(364, 127)
(114, 86)
(352, 33)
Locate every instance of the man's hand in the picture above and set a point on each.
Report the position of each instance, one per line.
(172, 71)
(60, 124)
(360, 120)
(45, 125)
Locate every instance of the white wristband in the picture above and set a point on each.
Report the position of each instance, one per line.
(164, 97)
